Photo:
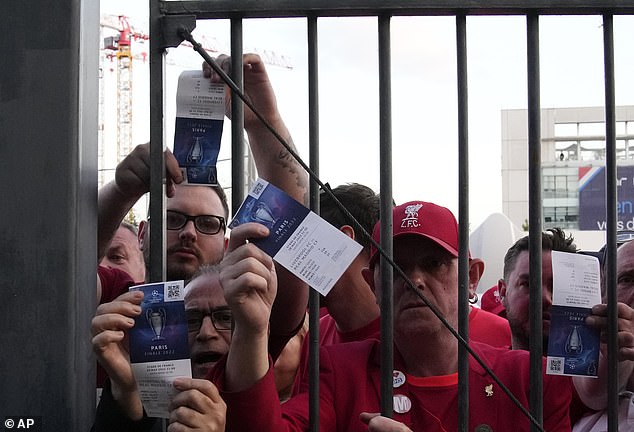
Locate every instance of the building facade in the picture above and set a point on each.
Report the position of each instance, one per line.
(573, 169)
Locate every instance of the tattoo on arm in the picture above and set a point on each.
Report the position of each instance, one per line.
(288, 161)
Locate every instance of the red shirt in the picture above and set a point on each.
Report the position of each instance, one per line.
(350, 384)
(330, 335)
(489, 328)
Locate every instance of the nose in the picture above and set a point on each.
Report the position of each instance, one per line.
(188, 231)
(416, 275)
(207, 330)
(547, 295)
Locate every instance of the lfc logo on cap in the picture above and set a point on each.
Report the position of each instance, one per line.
(411, 216)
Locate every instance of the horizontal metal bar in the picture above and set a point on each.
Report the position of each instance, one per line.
(296, 8)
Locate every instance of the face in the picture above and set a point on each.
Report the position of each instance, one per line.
(206, 344)
(434, 272)
(188, 249)
(515, 294)
(124, 253)
(625, 274)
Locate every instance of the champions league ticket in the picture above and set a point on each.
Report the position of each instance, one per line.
(299, 240)
(573, 347)
(159, 350)
(200, 112)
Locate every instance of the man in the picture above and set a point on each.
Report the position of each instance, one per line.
(209, 333)
(514, 292)
(353, 314)
(593, 392)
(124, 252)
(192, 238)
(514, 287)
(426, 354)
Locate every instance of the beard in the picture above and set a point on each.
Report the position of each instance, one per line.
(520, 331)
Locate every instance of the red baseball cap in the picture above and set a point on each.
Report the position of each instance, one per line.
(424, 219)
(491, 301)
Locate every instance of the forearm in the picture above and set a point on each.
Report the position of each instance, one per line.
(110, 416)
(288, 311)
(129, 401)
(274, 162)
(112, 207)
(247, 361)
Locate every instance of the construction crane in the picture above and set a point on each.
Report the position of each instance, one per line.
(122, 49)
(119, 47)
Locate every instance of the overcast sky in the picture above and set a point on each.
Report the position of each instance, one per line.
(424, 108)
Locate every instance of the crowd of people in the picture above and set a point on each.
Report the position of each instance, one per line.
(247, 316)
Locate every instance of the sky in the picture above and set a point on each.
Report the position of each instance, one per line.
(424, 91)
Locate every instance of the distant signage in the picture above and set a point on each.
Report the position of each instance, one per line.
(592, 198)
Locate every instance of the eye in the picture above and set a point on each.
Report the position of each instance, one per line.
(224, 317)
(626, 279)
(208, 223)
(117, 258)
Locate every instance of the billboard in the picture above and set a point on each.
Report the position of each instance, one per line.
(592, 197)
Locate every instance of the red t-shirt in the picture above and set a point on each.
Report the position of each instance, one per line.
(489, 328)
(350, 384)
(330, 335)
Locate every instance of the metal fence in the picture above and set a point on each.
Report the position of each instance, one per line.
(48, 111)
(165, 17)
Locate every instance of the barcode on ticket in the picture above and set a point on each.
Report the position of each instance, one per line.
(173, 291)
(555, 365)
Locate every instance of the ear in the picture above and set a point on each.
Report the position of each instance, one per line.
(143, 227)
(348, 230)
(502, 291)
(476, 268)
(368, 276)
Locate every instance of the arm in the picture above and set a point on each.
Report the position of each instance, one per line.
(276, 165)
(132, 181)
(594, 392)
(198, 406)
(109, 326)
(249, 282)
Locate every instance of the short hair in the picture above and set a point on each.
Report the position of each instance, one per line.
(553, 239)
(203, 270)
(130, 227)
(362, 203)
(223, 198)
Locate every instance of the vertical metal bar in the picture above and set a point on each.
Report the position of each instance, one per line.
(611, 214)
(313, 143)
(237, 118)
(385, 146)
(463, 217)
(157, 135)
(535, 217)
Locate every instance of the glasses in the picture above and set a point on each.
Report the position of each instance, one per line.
(204, 224)
(222, 319)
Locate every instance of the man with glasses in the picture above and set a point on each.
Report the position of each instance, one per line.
(196, 215)
(209, 325)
